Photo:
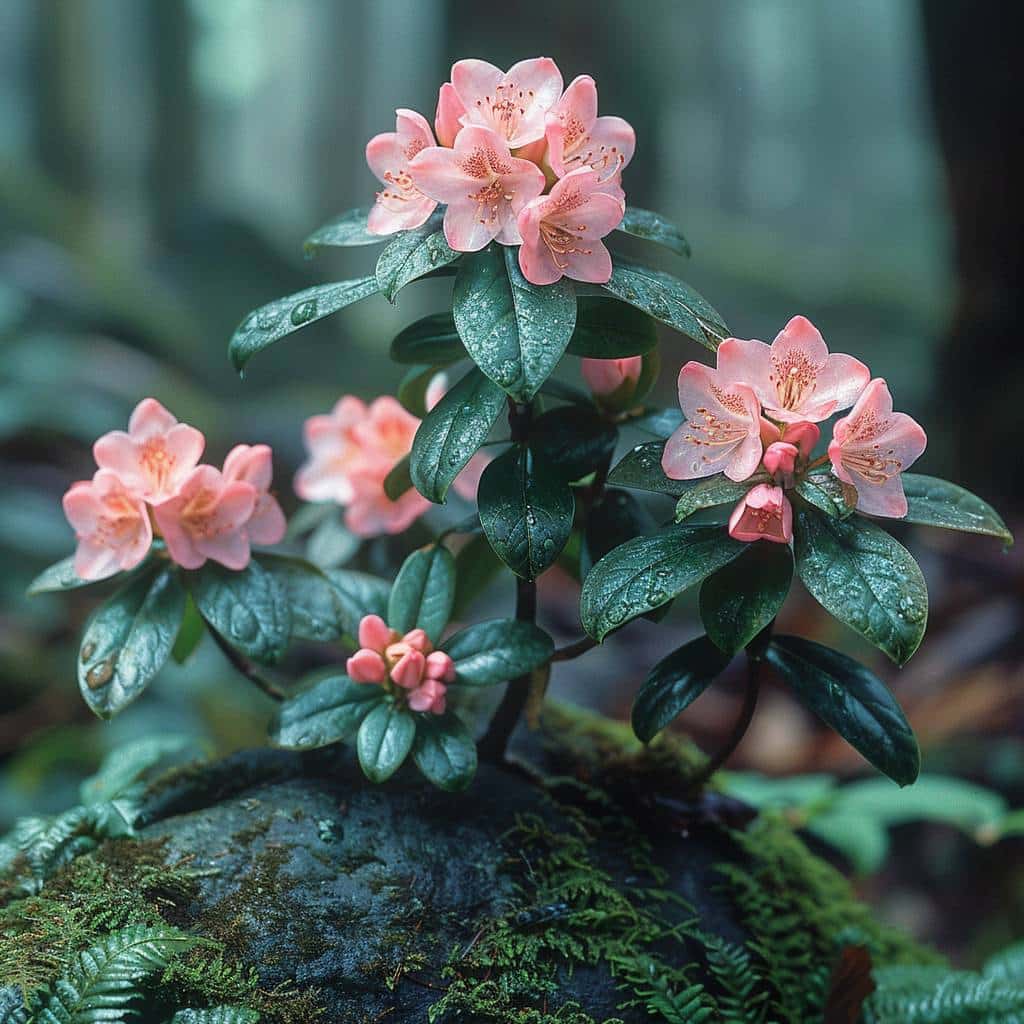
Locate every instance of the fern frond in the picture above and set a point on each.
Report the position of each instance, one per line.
(129, 763)
(740, 1001)
(933, 995)
(216, 1015)
(12, 1006)
(1007, 965)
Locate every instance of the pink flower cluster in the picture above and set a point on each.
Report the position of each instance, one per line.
(515, 159)
(149, 482)
(354, 447)
(385, 657)
(759, 409)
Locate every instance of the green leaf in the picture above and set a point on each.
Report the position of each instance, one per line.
(669, 300)
(526, 511)
(674, 684)
(190, 632)
(348, 229)
(412, 389)
(411, 254)
(444, 751)
(654, 228)
(432, 340)
(330, 711)
(384, 740)
(314, 603)
(739, 600)
(641, 468)
(934, 502)
(864, 578)
(331, 544)
(574, 440)
(829, 494)
(709, 492)
(645, 573)
(249, 609)
(496, 651)
(216, 1015)
(128, 639)
(514, 331)
(476, 566)
(359, 594)
(864, 843)
(126, 764)
(423, 592)
(452, 432)
(615, 519)
(610, 329)
(277, 319)
(59, 576)
(850, 699)
(398, 480)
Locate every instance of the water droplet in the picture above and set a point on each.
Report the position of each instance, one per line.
(100, 674)
(304, 312)
(88, 650)
(267, 319)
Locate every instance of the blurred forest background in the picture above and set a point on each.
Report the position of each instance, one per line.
(162, 161)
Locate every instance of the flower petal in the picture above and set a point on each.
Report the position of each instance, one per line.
(447, 120)
(148, 418)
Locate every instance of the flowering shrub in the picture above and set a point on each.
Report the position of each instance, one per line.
(530, 180)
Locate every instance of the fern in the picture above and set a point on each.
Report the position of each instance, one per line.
(740, 1002)
(216, 1015)
(104, 983)
(1007, 965)
(688, 1005)
(12, 1006)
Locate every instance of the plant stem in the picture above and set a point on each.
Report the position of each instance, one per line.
(247, 668)
(575, 649)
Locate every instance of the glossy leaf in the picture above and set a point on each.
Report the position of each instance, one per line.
(384, 740)
(411, 254)
(331, 544)
(359, 594)
(423, 592)
(711, 491)
(433, 340)
(190, 632)
(453, 432)
(476, 567)
(865, 578)
(669, 300)
(641, 468)
(347, 230)
(610, 329)
(249, 609)
(501, 649)
(850, 699)
(59, 576)
(127, 640)
(674, 684)
(739, 600)
(935, 502)
(412, 389)
(330, 711)
(444, 751)
(313, 600)
(398, 480)
(514, 331)
(526, 511)
(574, 440)
(645, 573)
(615, 519)
(828, 494)
(653, 227)
(277, 319)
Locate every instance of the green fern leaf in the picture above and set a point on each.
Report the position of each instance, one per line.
(216, 1015)
(12, 1006)
(1007, 965)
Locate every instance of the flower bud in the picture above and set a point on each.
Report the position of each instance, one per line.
(763, 514)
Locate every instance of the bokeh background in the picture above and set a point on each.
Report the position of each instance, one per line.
(161, 162)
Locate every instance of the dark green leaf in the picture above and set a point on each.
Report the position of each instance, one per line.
(348, 229)
(282, 317)
(332, 710)
(128, 639)
(659, 422)
(411, 254)
(610, 329)
(644, 573)
(739, 600)
(313, 600)
(674, 684)
(641, 468)
(709, 492)
(850, 699)
(476, 566)
(423, 592)
(566, 392)
(359, 594)
(827, 493)
(190, 632)
(616, 518)
(934, 502)
(669, 300)
(398, 481)
(654, 228)
(249, 608)
(59, 576)
(412, 389)
(432, 340)
(864, 578)
(574, 440)
(493, 652)
(384, 740)
(444, 751)
(514, 331)
(526, 510)
(453, 432)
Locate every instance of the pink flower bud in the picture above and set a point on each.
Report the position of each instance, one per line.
(408, 670)
(374, 633)
(430, 696)
(441, 667)
(366, 666)
(804, 435)
(418, 640)
(606, 376)
(780, 461)
(763, 514)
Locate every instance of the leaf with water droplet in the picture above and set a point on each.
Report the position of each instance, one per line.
(610, 329)
(313, 600)
(411, 254)
(711, 491)
(828, 493)
(347, 230)
(444, 751)
(935, 502)
(641, 468)
(653, 227)
(495, 651)
(59, 576)
(384, 740)
(423, 592)
(128, 639)
(574, 440)
(433, 340)
(331, 710)
(850, 699)
(359, 594)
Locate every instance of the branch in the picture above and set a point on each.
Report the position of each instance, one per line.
(575, 649)
(247, 668)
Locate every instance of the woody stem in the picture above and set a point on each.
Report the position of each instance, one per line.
(246, 668)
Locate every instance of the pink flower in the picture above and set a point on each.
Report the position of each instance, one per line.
(562, 231)
(468, 480)
(804, 435)
(763, 514)
(333, 453)
(577, 137)
(512, 103)
(111, 524)
(401, 205)
(780, 461)
(156, 455)
(254, 464)
(607, 376)
(872, 446)
(207, 519)
(484, 186)
(723, 429)
(448, 119)
(795, 377)
(429, 696)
